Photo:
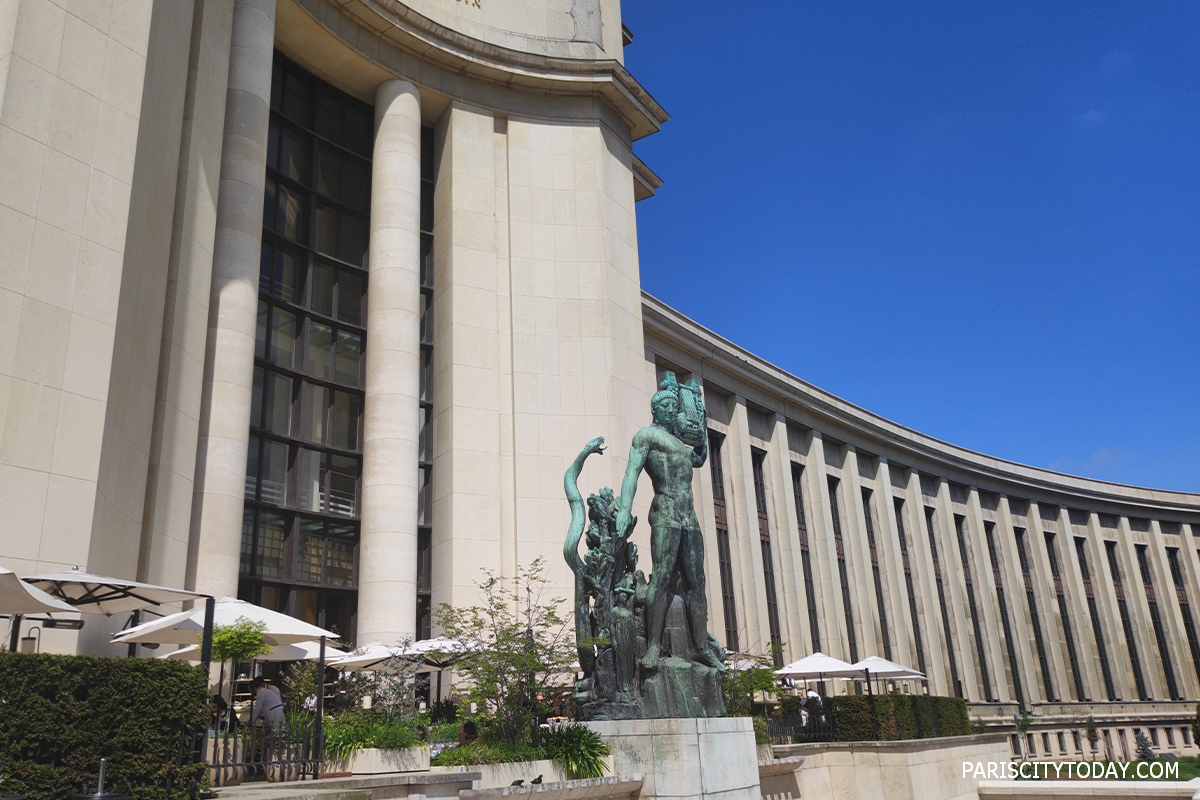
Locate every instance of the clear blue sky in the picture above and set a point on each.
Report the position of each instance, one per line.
(980, 220)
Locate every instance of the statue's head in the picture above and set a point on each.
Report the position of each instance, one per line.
(664, 405)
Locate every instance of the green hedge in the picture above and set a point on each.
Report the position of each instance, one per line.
(900, 716)
(61, 714)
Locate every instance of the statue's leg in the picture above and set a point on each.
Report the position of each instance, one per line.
(664, 548)
(691, 557)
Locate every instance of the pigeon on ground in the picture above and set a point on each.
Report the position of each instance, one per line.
(538, 779)
(517, 782)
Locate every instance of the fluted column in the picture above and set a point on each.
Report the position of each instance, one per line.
(387, 583)
(229, 366)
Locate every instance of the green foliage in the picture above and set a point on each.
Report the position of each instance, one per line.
(899, 717)
(442, 732)
(739, 686)
(298, 683)
(480, 752)
(517, 645)
(578, 748)
(1024, 720)
(241, 641)
(350, 732)
(1091, 732)
(1145, 750)
(906, 720)
(61, 714)
(761, 735)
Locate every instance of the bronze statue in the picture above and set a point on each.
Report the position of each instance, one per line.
(644, 648)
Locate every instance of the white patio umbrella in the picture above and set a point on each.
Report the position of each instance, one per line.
(104, 595)
(182, 628)
(881, 668)
(302, 651)
(819, 667)
(18, 597)
(373, 657)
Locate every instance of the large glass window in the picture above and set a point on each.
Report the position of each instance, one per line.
(303, 469)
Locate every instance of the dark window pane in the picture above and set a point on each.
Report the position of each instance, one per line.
(270, 205)
(272, 531)
(328, 173)
(307, 476)
(324, 277)
(326, 230)
(307, 606)
(339, 562)
(288, 279)
(283, 338)
(273, 146)
(356, 187)
(276, 89)
(274, 473)
(295, 99)
(349, 356)
(287, 212)
(256, 399)
(358, 131)
(244, 563)
(260, 333)
(313, 412)
(347, 408)
(293, 156)
(352, 239)
(320, 337)
(329, 118)
(343, 485)
(266, 267)
(278, 416)
(252, 468)
(350, 292)
(311, 541)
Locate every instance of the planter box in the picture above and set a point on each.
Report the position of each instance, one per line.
(373, 761)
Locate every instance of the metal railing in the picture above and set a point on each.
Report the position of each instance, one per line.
(815, 726)
(289, 751)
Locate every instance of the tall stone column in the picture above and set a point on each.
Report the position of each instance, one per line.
(217, 502)
(387, 582)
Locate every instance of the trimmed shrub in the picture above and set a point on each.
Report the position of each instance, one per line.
(62, 714)
(906, 722)
(348, 733)
(899, 717)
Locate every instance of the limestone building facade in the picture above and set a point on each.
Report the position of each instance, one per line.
(312, 302)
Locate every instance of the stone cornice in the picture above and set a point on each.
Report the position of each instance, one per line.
(458, 53)
(905, 445)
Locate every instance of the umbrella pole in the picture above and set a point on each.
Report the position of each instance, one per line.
(134, 618)
(318, 732)
(871, 700)
(210, 608)
(15, 638)
(439, 689)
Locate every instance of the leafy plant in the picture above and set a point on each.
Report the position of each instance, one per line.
(348, 733)
(480, 752)
(761, 734)
(739, 686)
(241, 641)
(516, 645)
(298, 683)
(578, 748)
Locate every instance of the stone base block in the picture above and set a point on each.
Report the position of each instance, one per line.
(713, 758)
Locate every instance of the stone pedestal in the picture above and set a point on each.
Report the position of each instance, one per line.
(692, 758)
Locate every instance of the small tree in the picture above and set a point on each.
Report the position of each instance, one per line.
(241, 641)
(1145, 750)
(515, 645)
(1024, 720)
(739, 686)
(1092, 732)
